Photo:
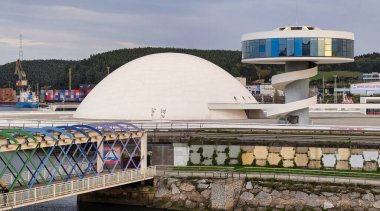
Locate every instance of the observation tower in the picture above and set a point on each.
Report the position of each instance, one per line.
(301, 49)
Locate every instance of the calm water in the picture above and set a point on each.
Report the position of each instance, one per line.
(70, 203)
(13, 108)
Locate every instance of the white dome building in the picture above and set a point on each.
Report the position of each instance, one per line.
(170, 86)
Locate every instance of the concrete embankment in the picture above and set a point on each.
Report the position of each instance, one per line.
(242, 194)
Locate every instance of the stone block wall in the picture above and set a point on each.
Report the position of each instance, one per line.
(278, 156)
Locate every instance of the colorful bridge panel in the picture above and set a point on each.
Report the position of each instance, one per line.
(43, 164)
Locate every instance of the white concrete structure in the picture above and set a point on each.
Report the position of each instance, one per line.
(168, 86)
(300, 48)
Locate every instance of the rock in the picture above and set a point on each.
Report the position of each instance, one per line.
(254, 191)
(375, 190)
(275, 194)
(174, 198)
(190, 205)
(312, 200)
(370, 166)
(203, 186)
(287, 153)
(369, 197)
(301, 195)
(175, 190)
(248, 186)
(334, 199)
(206, 194)
(247, 158)
(354, 195)
(195, 196)
(328, 194)
(274, 159)
(167, 205)
(264, 199)
(261, 162)
(301, 160)
(376, 204)
(327, 205)
(172, 180)
(161, 192)
(182, 196)
(202, 181)
(288, 163)
(187, 187)
(246, 196)
(267, 190)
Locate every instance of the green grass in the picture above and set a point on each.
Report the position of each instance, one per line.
(337, 173)
(203, 168)
(243, 169)
(329, 76)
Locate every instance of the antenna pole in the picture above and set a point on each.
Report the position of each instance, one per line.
(69, 78)
(297, 12)
(20, 51)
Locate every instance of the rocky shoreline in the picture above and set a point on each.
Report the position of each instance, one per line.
(192, 193)
(216, 194)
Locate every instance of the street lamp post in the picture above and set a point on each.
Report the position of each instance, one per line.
(335, 92)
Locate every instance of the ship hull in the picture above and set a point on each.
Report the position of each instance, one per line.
(27, 105)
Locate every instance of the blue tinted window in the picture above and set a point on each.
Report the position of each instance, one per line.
(262, 48)
(256, 53)
(344, 46)
(306, 47)
(282, 47)
(339, 48)
(290, 47)
(313, 47)
(275, 47)
(268, 47)
(298, 47)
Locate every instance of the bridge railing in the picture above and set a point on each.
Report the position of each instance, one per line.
(178, 125)
(73, 187)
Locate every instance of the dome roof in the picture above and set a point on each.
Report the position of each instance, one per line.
(170, 86)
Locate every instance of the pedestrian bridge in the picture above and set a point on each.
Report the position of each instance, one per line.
(48, 163)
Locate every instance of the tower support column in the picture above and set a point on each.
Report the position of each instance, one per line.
(296, 91)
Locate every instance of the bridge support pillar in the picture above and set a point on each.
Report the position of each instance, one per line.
(99, 160)
(144, 153)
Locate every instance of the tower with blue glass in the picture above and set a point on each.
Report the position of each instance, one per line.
(301, 49)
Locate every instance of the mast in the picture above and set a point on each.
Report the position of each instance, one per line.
(19, 71)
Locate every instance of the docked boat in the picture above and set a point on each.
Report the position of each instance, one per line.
(26, 98)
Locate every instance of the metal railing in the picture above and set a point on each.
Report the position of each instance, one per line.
(183, 125)
(224, 173)
(73, 187)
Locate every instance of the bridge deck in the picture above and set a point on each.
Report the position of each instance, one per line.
(35, 195)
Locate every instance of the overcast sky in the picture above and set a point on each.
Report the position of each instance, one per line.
(73, 29)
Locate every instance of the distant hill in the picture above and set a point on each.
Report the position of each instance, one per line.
(54, 73)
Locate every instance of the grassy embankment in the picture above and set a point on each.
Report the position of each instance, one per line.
(251, 169)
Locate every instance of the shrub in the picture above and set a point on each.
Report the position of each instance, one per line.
(214, 155)
(189, 162)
